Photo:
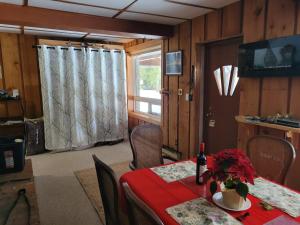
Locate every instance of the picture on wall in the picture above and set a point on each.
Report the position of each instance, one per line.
(174, 63)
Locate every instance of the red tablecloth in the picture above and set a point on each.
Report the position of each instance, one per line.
(159, 195)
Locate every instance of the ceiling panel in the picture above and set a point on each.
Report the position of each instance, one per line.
(16, 2)
(62, 6)
(10, 28)
(117, 4)
(164, 8)
(52, 32)
(149, 18)
(209, 3)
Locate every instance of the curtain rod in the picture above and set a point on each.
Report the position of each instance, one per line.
(75, 49)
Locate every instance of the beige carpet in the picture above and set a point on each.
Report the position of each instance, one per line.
(89, 182)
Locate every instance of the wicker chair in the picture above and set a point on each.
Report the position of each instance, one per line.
(146, 145)
(139, 213)
(272, 157)
(109, 191)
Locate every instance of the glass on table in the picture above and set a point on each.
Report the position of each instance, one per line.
(201, 190)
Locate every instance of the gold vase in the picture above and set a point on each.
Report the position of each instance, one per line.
(231, 198)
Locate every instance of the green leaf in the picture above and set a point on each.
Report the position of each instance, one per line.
(242, 189)
(213, 187)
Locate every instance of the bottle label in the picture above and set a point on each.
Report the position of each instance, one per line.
(202, 170)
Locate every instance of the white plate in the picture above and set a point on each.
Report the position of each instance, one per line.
(218, 200)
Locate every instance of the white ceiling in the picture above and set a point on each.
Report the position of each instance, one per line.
(164, 8)
(154, 11)
(72, 7)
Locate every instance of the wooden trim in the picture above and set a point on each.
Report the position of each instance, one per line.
(242, 119)
(153, 101)
(144, 47)
(144, 117)
(222, 39)
(54, 19)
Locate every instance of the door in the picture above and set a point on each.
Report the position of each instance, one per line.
(220, 127)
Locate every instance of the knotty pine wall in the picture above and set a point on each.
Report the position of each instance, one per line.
(180, 117)
(20, 71)
(255, 20)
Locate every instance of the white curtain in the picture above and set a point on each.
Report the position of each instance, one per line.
(84, 96)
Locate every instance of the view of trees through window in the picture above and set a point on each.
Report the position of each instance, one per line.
(148, 82)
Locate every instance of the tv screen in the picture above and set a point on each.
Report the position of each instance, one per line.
(275, 57)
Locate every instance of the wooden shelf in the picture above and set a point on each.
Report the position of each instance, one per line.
(242, 119)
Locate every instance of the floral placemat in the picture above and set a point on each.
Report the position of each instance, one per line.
(200, 211)
(176, 171)
(276, 195)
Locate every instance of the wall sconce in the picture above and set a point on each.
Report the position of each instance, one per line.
(228, 75)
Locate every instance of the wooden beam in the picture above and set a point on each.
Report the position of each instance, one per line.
(54, 19)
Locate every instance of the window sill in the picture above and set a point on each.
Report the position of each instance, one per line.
(144, 117)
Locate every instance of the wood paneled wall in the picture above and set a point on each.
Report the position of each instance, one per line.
(255, 20)
(181, 118)
(265, 19)
(20, 71)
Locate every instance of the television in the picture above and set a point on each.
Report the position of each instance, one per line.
(274, 57)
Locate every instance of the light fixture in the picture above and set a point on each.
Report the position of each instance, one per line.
(227, 75)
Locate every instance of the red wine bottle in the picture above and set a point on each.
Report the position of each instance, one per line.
(201, 165)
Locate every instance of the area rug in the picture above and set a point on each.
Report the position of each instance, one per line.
(88, 180)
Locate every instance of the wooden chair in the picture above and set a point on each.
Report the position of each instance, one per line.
(146, 145)
(272, 157)
(109, 191)
(138, 212)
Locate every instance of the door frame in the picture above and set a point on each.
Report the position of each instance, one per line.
(199, 81)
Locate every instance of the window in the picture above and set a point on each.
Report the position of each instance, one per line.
(147, 82)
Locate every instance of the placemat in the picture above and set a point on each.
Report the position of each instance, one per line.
(176, 171)
(276, 195)
(200, 211)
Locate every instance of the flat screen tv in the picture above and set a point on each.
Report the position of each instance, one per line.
(274, 57)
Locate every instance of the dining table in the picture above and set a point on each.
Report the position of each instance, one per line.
(160, 195)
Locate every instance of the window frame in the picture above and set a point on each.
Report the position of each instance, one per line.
(135, 97)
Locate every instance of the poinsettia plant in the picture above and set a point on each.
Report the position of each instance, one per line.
(234, 169)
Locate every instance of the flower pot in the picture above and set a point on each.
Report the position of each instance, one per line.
(231, 198)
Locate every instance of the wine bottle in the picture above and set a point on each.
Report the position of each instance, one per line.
(201, 165)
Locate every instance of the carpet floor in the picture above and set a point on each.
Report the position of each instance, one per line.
(89, 182)
(61, 198)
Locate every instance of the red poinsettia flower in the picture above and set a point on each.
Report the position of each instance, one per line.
(233, 164)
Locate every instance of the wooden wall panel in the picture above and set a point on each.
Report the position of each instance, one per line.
(198, 26)
(277, 88)
(254, 20)
(253, 29)
(12, 70)
(20, 71)
(3, 105)
(184, 84)
(173, 97)
(213, 27)
(232, 20)
(165, 98)
(32, 90)
(294, 110)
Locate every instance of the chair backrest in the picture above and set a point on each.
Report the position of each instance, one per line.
(109, 191)
(272, 157)
(139, 213)
(146, 145)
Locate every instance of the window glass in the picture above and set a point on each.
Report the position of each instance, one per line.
(147, 77)
(148, 74)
